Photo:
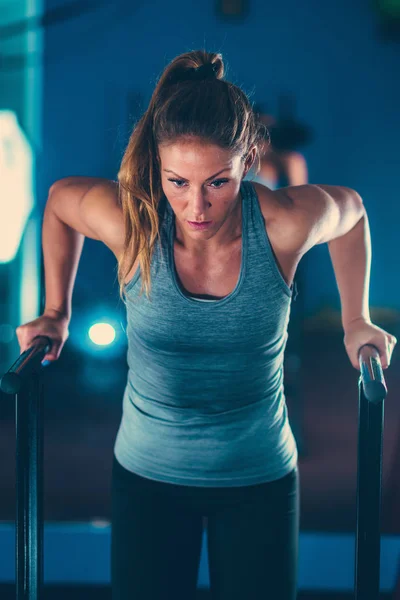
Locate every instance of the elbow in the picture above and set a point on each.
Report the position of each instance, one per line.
(357, 205)
(356, 196)
(350, 212)
(352, 205)
(355, 212)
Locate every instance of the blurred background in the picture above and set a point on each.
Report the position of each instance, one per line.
(74, 78)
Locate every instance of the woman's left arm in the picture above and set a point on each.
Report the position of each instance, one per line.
(317, 214)
(350, 251)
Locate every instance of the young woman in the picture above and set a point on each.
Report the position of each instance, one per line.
(205, 430)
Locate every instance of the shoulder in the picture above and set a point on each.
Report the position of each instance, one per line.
(295, 215)
(91, 206)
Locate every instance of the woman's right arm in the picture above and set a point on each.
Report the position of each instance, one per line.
(77, 207)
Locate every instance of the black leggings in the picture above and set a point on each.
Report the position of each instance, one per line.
(157, 531)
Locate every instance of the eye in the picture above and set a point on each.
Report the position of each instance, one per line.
(220, 181)
(217, 183)
(177, 181)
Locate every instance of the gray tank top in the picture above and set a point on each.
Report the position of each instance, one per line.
(204, 402)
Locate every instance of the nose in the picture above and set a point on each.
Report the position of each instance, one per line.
(198, 205)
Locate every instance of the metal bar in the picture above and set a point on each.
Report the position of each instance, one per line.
(372, 392)
(29, 477)
(24, 380)
(27, 363)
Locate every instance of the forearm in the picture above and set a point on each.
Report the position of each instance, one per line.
(62, 248)
(351, 260)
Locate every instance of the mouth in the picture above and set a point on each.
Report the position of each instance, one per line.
(199, 224)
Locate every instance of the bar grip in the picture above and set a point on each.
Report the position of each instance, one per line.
(27, 363)
(372, 378)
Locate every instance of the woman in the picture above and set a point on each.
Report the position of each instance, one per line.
(205, 431)
(280, 165)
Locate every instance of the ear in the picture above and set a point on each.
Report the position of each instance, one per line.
(249, 161)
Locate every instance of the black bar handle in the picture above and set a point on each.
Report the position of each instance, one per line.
(27, 363)
(372, 378)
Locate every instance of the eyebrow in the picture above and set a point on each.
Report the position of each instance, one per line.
(212, 176)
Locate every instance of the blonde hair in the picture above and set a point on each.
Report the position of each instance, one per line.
(187, 101)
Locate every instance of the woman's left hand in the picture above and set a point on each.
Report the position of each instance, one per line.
(360, 332)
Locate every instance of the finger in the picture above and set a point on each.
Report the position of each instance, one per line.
(390, 347)
(385, 356)
(382, 347)
(355, 361)
(54, 354)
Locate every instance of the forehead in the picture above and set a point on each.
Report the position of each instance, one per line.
(194, 151)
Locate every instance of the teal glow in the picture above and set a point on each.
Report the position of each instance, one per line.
(16, 192)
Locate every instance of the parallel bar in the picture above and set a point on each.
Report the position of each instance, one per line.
(27, 363)
(372, 392)
(23, 379)
(29, 476)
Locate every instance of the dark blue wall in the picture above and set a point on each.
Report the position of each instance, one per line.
(330, 55)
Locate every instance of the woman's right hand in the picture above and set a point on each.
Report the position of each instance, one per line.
(52, 324)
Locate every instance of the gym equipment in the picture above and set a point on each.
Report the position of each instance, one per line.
(24, 379)
(372, 393)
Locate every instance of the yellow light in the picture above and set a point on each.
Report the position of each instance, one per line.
(16, 195)
(102, 334)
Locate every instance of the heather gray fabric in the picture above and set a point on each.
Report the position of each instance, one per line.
(204, 403)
